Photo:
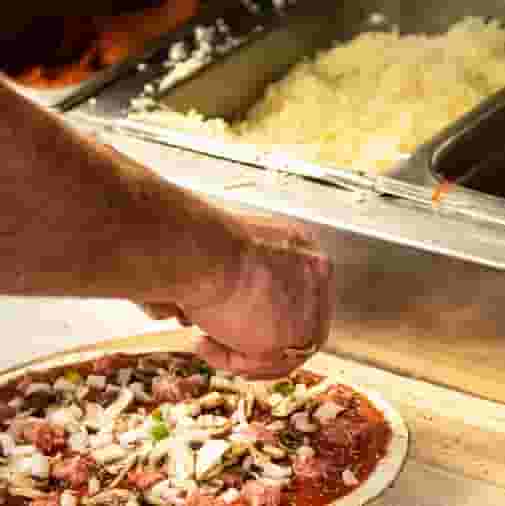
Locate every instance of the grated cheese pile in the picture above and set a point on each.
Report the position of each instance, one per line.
(368, 103)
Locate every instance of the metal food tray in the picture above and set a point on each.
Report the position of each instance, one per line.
(410, 273)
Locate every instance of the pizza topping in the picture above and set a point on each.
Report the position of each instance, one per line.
(114, 497)
(145, 479)
(297, 400)
(210, 456)
(125, 398)
(68, 499)
(75, 471)
(275, 452)
(109, 454)
(258, 494)
(291, 440)
(231, 496)
(327, 412)
(6, 412)
(47, 500)
(98, 382)
(305, 451)
(165, 429)
(46, 437)
(302, 423)
(7, 444)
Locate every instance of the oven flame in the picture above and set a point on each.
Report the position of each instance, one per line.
(105, 40)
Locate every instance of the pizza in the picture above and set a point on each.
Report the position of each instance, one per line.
(166, 429)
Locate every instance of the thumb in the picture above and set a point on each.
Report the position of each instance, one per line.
(165, 312)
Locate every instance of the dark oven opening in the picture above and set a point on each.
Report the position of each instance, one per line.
(58, 51)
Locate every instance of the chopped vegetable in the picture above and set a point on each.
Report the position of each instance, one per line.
(284, 388)
(291, 439)
(73, 376)
(156, 415)
(159, 432)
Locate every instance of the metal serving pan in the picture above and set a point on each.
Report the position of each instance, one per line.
(228, 86)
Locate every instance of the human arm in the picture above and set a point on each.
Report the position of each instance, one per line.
(79, 220)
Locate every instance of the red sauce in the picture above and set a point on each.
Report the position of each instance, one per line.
(441, 190)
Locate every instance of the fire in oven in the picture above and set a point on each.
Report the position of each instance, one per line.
(51, 52)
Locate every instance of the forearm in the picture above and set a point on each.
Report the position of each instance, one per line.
(79, 221)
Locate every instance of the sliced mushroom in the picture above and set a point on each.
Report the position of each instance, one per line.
(94, 486)
(95, 417)
(181, 410)
(305, 451)
(277, 426)
(213, 487)
(109, 454)
(302, 423)
(209, 457)
(160, 451)
(65, 417)
(295, 401)
(276, 472)
(125, 398)
(67, 498)
(217, 426)
(181, 464)
(231, 401)
(181, 459)
(275, 452)
(327, 412)
(112, 497)
(139, 391)
(235, 385)
(163, 494)
(212, 400)
(27, 493)
(120, 470)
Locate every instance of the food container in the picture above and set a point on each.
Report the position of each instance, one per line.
(383, 477)
(420, 286)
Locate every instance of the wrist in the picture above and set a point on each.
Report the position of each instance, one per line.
(176, 247)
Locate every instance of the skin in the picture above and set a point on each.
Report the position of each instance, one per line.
(79, 219)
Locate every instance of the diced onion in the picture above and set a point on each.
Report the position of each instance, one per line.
(230, 496)
(34, 388)
(98, 382)
(305, 451)
(64, 385)
(7, 443)
(68, 499)
(40, 466)
(327, 412)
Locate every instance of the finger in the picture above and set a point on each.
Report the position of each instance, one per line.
(275, 229)
(165, 312)
(223, 357)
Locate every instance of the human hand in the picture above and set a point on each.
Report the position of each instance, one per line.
(281, 301)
